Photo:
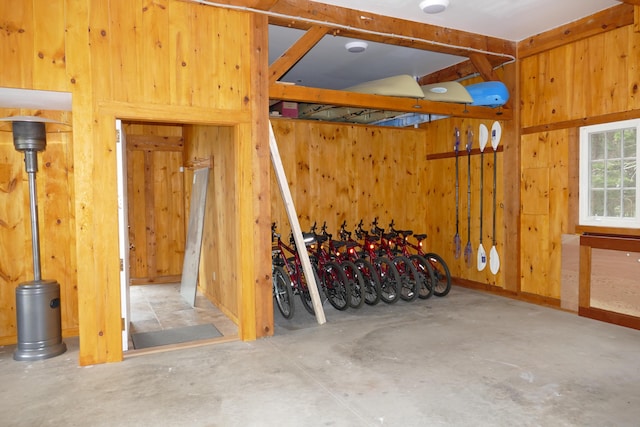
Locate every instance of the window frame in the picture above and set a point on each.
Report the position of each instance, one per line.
(584, 217)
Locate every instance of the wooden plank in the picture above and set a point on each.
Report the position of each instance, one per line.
(383, 29)
(454, 72)
(483, 66)
(584, 121)
(584, 287)
(295, 226)
(598, 23)
(292, 55)
(390, 103)
(626, 244)
(155, 142)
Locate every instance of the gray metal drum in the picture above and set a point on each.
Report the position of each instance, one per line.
(39, 320)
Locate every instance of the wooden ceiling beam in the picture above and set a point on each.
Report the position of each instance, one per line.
(289, 58)
(304, 14)
(455, 72)
(483, 66)
(606, 20)
(387, 103)
(633, 2)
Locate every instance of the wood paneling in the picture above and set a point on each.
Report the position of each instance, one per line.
(342, 172)
(164, 61)
(587, 78)
(156, 201)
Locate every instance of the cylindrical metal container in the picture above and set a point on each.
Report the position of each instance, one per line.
(39, 320)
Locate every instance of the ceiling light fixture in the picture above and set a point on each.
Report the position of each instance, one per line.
(434, 6)
(356, 47)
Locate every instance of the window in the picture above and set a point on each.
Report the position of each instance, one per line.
(609, 187)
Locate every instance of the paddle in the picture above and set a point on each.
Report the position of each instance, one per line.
(483, 137)
(468, 252)
(456, 238)
(494, 258)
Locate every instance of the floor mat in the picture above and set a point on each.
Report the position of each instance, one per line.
(174, 336)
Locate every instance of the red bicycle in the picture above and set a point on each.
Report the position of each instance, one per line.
(390, 280)
(287, 267)
(351, 253)
(441, 274)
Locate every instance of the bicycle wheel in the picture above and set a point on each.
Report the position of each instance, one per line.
(441, 273)
(303, 290)
(428, 279)
(283, 292)
(411, 281)
(371, 281)
(389, 279)
(356, 283)
(336, 286)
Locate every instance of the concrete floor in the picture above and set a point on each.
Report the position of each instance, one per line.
(469, 359)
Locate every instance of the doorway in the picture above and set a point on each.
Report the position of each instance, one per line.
(155, 180)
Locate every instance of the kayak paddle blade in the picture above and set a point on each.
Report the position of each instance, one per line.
(468, 253)
(494, 260)
(482, 258)
(457, 246)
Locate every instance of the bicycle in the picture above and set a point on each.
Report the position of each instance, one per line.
(390, 280)
(412, 279)
(441, 273)
(333, 280)
(420, 263)
(351, 270)
(368, 272)
(287, 258)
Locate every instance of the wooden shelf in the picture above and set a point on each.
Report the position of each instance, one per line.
(463, 152)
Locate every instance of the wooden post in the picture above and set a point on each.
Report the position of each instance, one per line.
(295, 227)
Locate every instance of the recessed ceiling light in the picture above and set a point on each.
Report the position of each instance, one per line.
(434, 6)
(356, 47)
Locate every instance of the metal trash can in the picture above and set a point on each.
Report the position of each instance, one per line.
(38, 320)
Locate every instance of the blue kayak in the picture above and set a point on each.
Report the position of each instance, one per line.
(488, 94)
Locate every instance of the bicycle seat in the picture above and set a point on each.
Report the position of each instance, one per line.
(389, 236)
(308, 238)
(406, 233)
(320, 238)
(420, 236)
(338, 243)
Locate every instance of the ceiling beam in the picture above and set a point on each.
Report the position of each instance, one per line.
(288, 59)
(603, 21)
(633, 2)
(383, 29)
(482, 65)
(303, 14)
(455, 72)
(388, 103)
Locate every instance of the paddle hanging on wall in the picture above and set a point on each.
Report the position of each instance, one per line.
(456, 238)
(468, 252)
(483, 138)
(494, 258)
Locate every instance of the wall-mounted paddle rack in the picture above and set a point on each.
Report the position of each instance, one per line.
(452, 154)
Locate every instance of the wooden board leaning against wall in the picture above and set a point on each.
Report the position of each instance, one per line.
(344, 172)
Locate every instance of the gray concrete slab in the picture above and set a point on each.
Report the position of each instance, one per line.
(469, 359)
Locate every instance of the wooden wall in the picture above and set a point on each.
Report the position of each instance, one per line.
(340, 172)
(590, 80)
(218, 271)
(156, 201)
(166, 61)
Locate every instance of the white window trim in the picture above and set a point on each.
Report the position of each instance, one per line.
(585, 175)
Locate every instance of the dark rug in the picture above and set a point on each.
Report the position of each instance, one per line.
(174, 336)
